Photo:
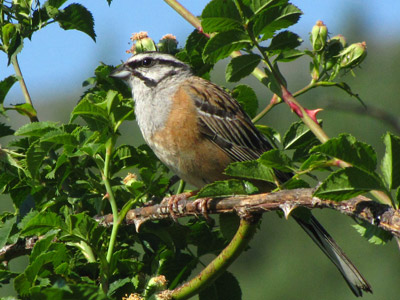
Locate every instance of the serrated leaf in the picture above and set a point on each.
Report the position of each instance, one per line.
(224, 43)
(297, 136)
(276, 18)
(25, 109)
(220, 15)
(42, 223)
(372, 233)
(348, 149)
(285, 40)
(390, 165)
(315, 162)
(16, 45)
(258, 5)
(346, 183)
(225, 287)
(5, 130)
(35, 156)
(251, 170)
(276, 159)
(36, 128)
(5, 86)
(272, 135)
(241, 66)
(226, 188)
(76, 16)
(247, 98)
(5, 230)
(289, 55)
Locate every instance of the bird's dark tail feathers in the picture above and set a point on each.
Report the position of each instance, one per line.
(321, 237)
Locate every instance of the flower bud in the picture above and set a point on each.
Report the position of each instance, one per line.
(333, 48)
(353, 55)
(341, 39)
(319, 34)
(142, 43)
(168, 44)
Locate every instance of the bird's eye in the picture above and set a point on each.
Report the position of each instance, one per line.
(147, 62)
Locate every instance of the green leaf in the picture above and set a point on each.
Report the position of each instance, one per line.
(5, 230)
(76, 16)
(16, 45)
(225, 287)
(228, 224)
(35, 156)
(372, 233)
(42, 223)
(276, 18)
(220, 15)
(36, 128)
(298, 135)
(273, 136)
(285, 40)
(346, 183)
(348, 149)
(289, 55)
(224, 43)
(241, 66)
(226, 188)
(315, 162)
(251, 170)
(390, 165)
(5, 130)
(276, 159)
(247, 98)
(5, 85)
(60, 137)
(258, 6)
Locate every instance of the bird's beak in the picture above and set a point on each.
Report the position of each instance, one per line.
(121, 72)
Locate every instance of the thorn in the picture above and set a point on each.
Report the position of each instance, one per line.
(295, 108)
(287, 208)
(312, 113)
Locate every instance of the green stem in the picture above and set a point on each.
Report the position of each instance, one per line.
(114, 208)
(181, 187)
(187, 15)
(22, 83)
(239, 242)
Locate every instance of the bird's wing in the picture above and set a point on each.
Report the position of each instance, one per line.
(223, 121)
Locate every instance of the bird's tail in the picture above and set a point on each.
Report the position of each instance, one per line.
(321, 237)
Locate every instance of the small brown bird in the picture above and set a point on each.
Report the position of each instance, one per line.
(197, 129)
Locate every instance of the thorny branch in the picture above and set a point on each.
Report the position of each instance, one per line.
(363, 208)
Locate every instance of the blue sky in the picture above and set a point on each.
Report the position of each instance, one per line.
(57, 61)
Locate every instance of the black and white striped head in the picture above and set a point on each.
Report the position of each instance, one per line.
(151, 68)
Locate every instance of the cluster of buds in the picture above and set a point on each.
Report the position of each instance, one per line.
(335, 52)
(141, 42)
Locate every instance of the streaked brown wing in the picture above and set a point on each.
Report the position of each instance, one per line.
(224, 122)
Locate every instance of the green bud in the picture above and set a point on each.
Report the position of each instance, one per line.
(353, 55)
(142, 43)
(319, 34)
(168, 44)
(341, 39)
(333, 48)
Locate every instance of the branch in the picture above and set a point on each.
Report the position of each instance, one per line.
(381, 215)
(363, 208)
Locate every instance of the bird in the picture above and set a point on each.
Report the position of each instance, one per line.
(197, 129)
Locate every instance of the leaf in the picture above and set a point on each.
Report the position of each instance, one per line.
(42, 223)
(390, 165)
(220, 15)
(36, 128)
(35, 156)
(315, 161)
(273, 136)
(5, 130)
(223, 44)
(241, 66)
(276, 159)
(251, 170)
(225, 287)
(346, 183)
(348, 149)
(76, 16)
(5, 230)
(16, 45)
(276, 18)
(247, 98)
(226, 188)
(5, 86)
(372, 233)
(298, 135)
(258, 5)
(289, 55)
(285, 40)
